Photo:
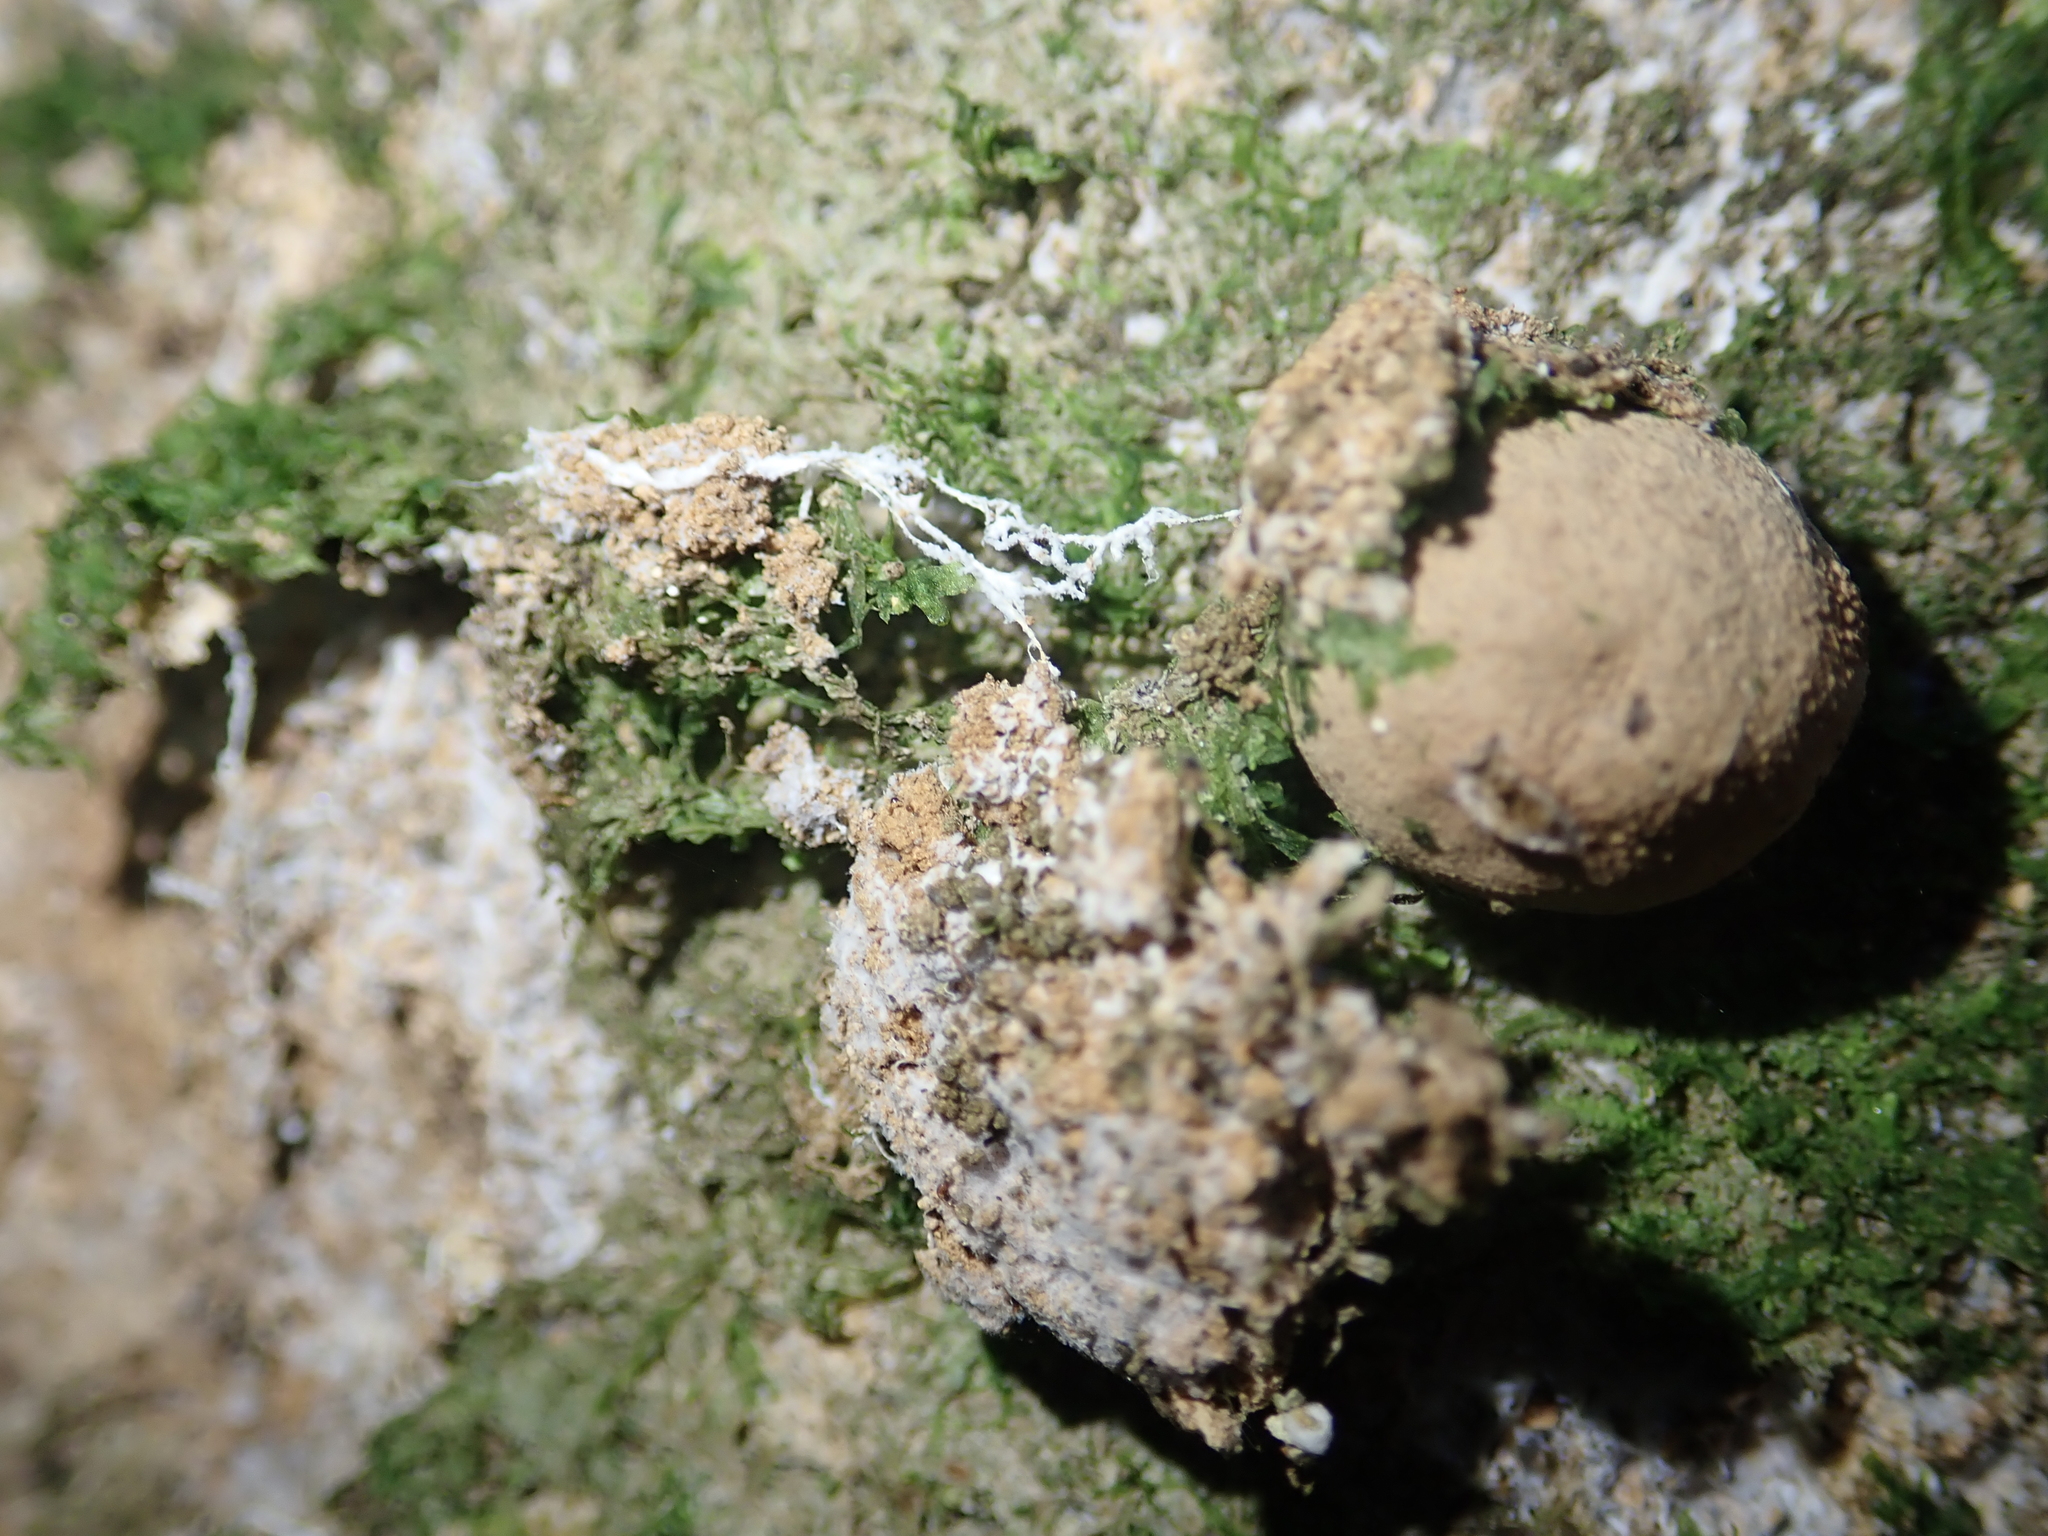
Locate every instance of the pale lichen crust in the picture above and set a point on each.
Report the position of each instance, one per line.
(1136, 1109)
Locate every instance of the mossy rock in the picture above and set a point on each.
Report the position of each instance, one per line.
(1803, 1107)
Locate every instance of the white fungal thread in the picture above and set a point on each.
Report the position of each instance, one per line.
(241, 686)
(901, 484)
(169, 884)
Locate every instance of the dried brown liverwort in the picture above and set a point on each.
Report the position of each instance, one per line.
(1549, 637)
(1135, 1110)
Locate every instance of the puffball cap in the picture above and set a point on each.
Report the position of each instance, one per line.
(1615, 659)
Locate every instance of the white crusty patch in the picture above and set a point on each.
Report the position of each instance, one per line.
(812, 800)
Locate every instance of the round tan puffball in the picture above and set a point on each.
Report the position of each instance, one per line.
(1649, 661)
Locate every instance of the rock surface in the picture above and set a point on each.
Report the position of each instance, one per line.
(683, 207)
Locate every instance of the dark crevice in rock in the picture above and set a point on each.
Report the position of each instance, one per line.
(302, 633)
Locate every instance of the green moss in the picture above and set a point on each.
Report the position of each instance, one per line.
(878, 582)
(1870, 1128)
(652, 703)
(252, 493)
(165, 120)
(695, 282)
(244, 494)
(1006, 168)
(1910, 1509)
(538, 1399)
(408, 294)
(1982, 128)
(1437, 188)
(1982, 124)
(1253, 796)
(166, 117)
(1369, 653)
(1074, 451)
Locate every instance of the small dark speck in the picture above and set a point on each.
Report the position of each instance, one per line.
(1639, 716)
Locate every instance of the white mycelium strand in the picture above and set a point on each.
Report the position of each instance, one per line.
(900, 484)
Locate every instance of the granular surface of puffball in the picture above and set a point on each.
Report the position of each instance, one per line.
(1135, 1109)
(1595, 658)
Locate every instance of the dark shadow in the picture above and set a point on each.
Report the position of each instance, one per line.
(1075, 1390)
(906, 661)
(671, 888)
(1874, 890)
(1514, 1294)
(301, 634)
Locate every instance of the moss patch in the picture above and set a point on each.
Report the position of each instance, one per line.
(162, 120)
(248, 494)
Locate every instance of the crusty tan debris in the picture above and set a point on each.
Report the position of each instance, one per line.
(1369, 414)
(1222, 647)
(1592, 375)
(1135, 1109)
(666, 539)
(664, 511)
